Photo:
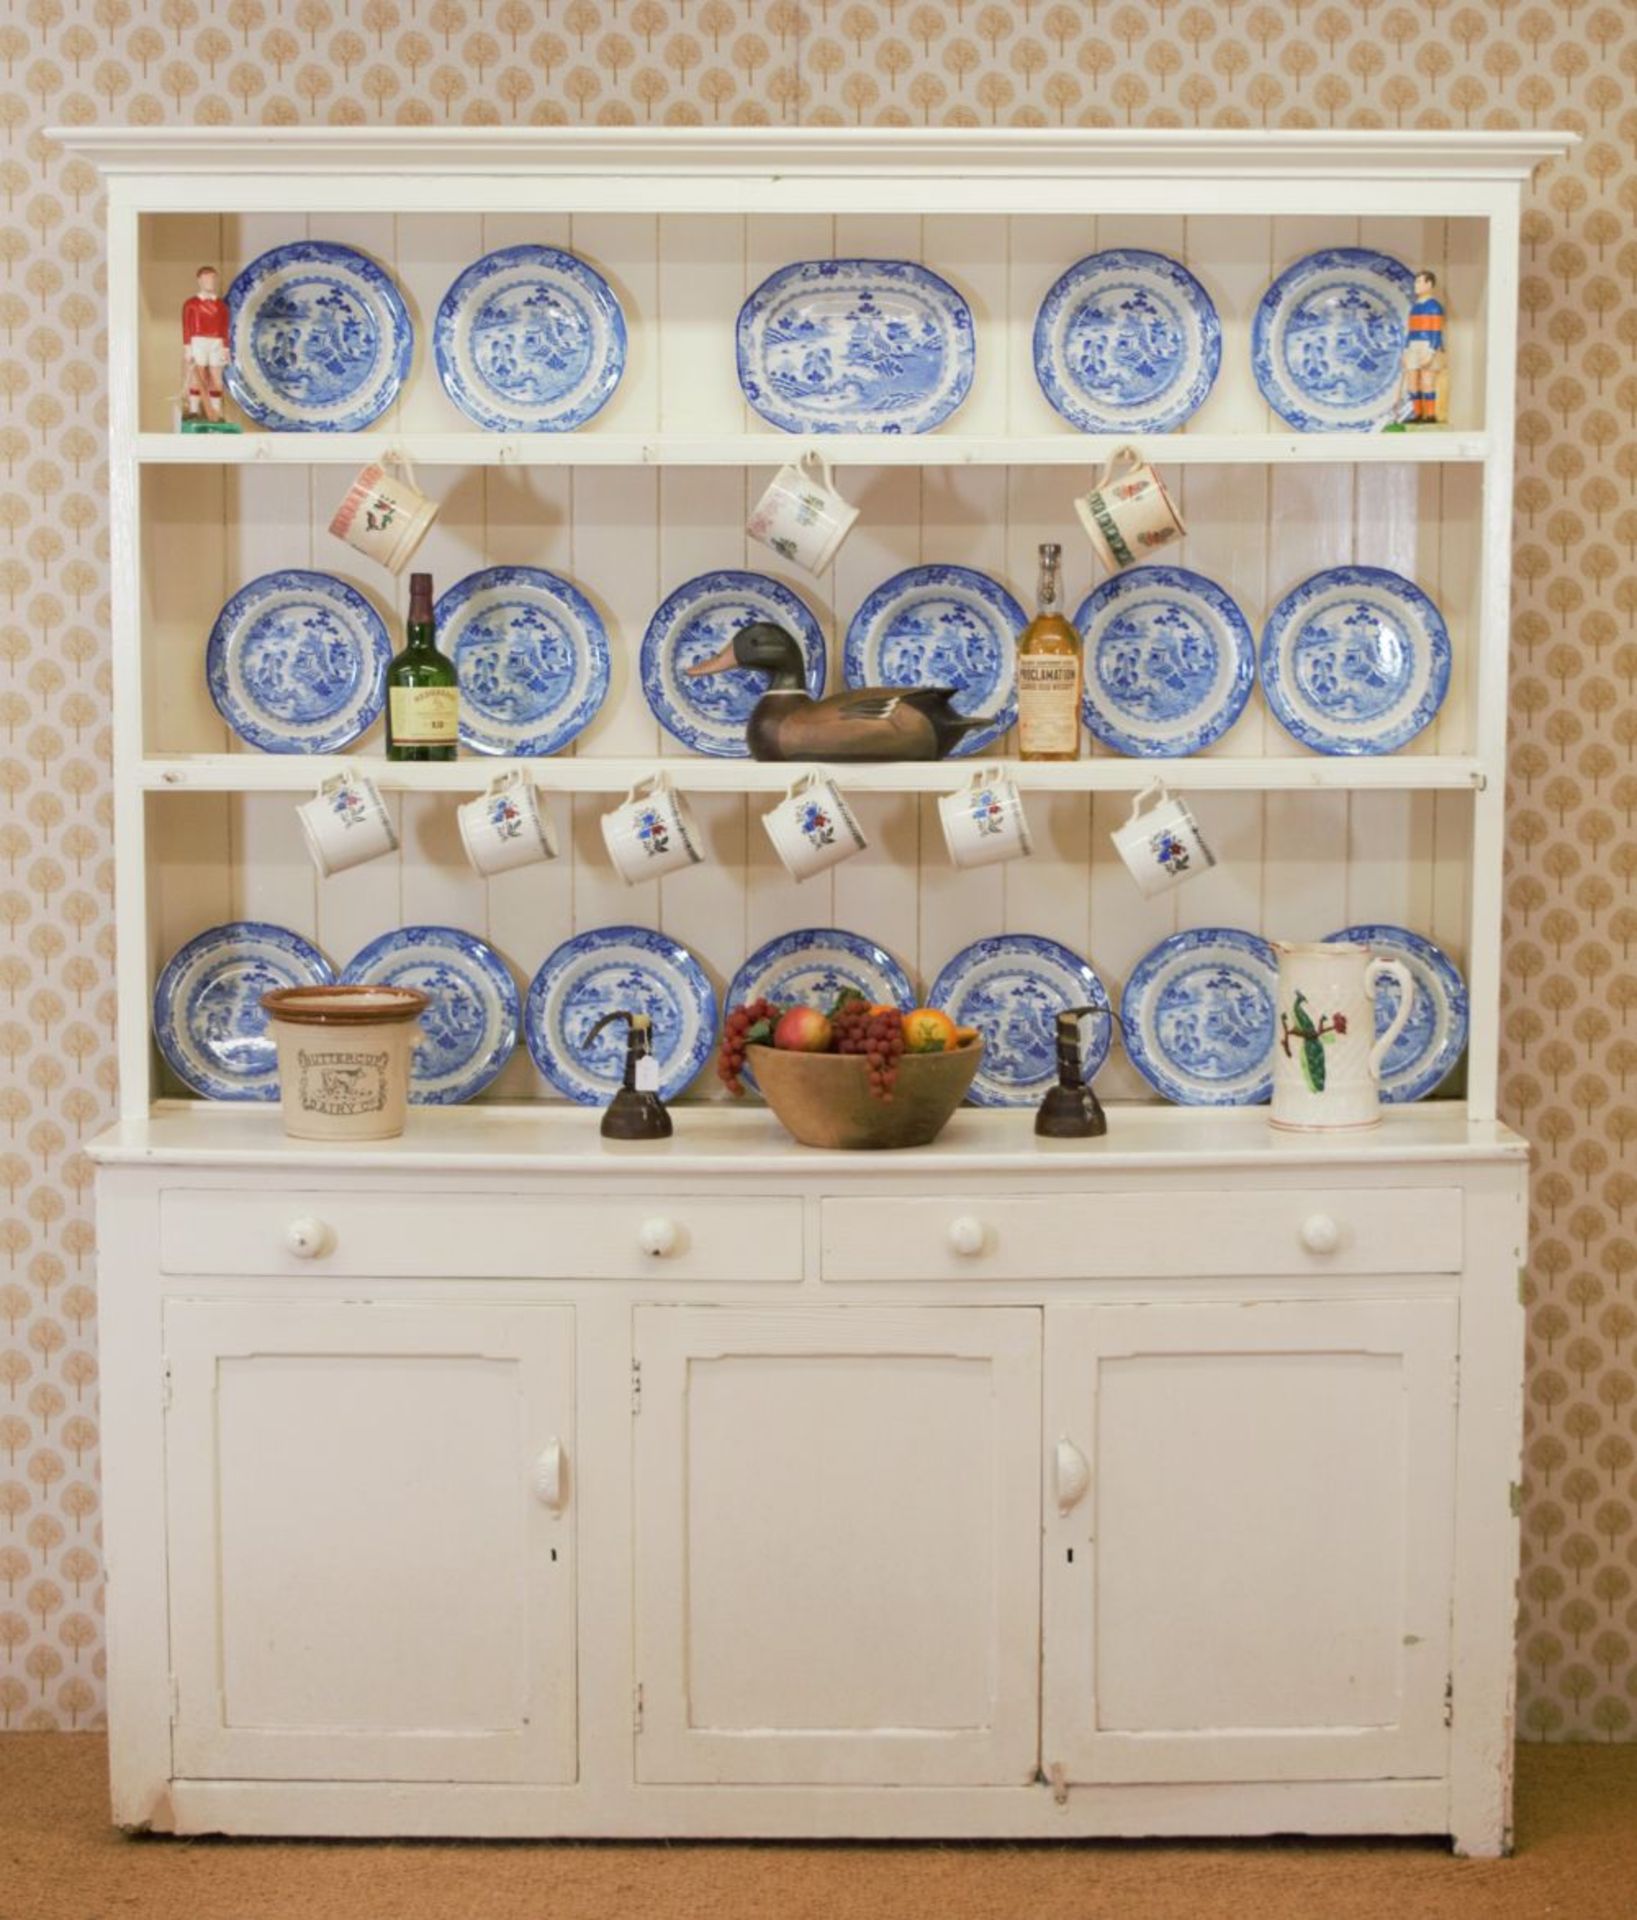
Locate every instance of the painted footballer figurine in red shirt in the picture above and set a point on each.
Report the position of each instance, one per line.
(205, 351)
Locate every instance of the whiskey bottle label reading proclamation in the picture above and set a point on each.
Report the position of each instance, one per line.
(425, 716)
(1048, 703)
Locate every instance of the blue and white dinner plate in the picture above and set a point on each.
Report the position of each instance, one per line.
(529, 339)
(1127, 341)
(942, 627)
(610, 967)
(1355, 660)
(697, 620)
(1197, 1017)
(531, 655)
(813, 966)
(207, 1015)
(1170, 661)
(1328, 337)
(469, 1031)
(1011, 988)
(855, 346)
(321, 339)
(297, 663)
(1434, 1036)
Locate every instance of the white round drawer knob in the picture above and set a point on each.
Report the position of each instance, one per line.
(658, 1236)
(966, 1236)
(1320, 1234)
(308, 1238)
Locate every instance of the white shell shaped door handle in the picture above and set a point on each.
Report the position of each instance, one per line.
(1073, 1474)
(1320, 1233)
(548, 1476)
(658, 1237)
(966, 1236)
(307, 1238)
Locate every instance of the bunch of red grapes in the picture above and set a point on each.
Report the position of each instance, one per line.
(744, 1026)
(875, 1032)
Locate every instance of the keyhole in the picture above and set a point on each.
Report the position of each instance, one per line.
(554, 1554)
(1071, 1556)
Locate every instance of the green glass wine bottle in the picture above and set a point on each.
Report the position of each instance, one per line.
(423, 694)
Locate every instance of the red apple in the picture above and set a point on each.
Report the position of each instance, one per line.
(803, 1030)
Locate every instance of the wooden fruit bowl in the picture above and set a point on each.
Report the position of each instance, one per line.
(824, 1099)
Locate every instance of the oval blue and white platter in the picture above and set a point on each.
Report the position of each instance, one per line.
(855, 346)
(1355, 660)
(940, 626)
(1328, 337)
(1127, 341)
(1197, 1016)
(207, 1015)
(530, 339)
(1170, 661)
(469, 1031)
(532, 657)
(296, 663)
(1434, 1037)
(596, 972)
(697, 620)
(321, 339)
(1012, 987)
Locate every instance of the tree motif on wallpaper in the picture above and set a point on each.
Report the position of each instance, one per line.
(1570, 1072)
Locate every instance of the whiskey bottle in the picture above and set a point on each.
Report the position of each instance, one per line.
(1048, 673)
(423, 695)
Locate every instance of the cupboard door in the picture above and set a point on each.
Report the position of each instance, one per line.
(1247, 1540)
(837, 1544)
(372, 1568)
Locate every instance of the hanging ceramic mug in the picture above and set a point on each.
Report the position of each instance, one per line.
(984, 821)
(801, 516)
(506, 827)
(1326, 1054)
(812, 828)
(346, 823)
(1128, 514)
(1161, 843)
(651, 833)
(384, 515)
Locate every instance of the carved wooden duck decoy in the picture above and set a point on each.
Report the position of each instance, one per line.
(864, 723)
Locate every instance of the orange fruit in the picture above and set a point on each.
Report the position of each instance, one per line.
(929, 1030)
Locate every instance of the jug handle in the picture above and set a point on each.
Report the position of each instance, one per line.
(1377, 971)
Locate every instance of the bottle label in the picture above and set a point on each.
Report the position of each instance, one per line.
(1048, 703)
(425, 716)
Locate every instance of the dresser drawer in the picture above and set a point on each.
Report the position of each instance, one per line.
(1236, 1233)
(502, 1236)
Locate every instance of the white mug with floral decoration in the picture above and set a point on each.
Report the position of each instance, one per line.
(801, 516)
(1161, 843)
(651, 833)
(1128, 513)
(812, 828)
(346, 823)
(984, 821)
(1326, 1053)
(384, 515)
(506, 827)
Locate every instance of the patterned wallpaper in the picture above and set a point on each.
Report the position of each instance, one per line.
(1570, 1074)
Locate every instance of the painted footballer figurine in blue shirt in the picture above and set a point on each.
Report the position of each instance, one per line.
(1423, 382)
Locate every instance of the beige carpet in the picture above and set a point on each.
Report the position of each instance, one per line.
(59, 1860)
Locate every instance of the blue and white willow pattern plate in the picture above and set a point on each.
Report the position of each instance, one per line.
(942, 627)
(1011, 988)
(1197, 1017)
(207, 1014)
(469, 1031)
(1327, 340)
(855, 346)
(321, 339)
(529, 339)
(1127, 341)
(812, 967)
(1355, 660)
(1434, 1036)
(297, 663)
(531, 656)
(1170, 661)
(697, 620)
(595, 973)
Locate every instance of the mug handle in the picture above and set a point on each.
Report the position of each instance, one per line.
(817, 456)
(1377, 971)
(1157, 791)
(1130, 454)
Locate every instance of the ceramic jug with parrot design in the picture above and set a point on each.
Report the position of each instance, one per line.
(1327, 1053)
